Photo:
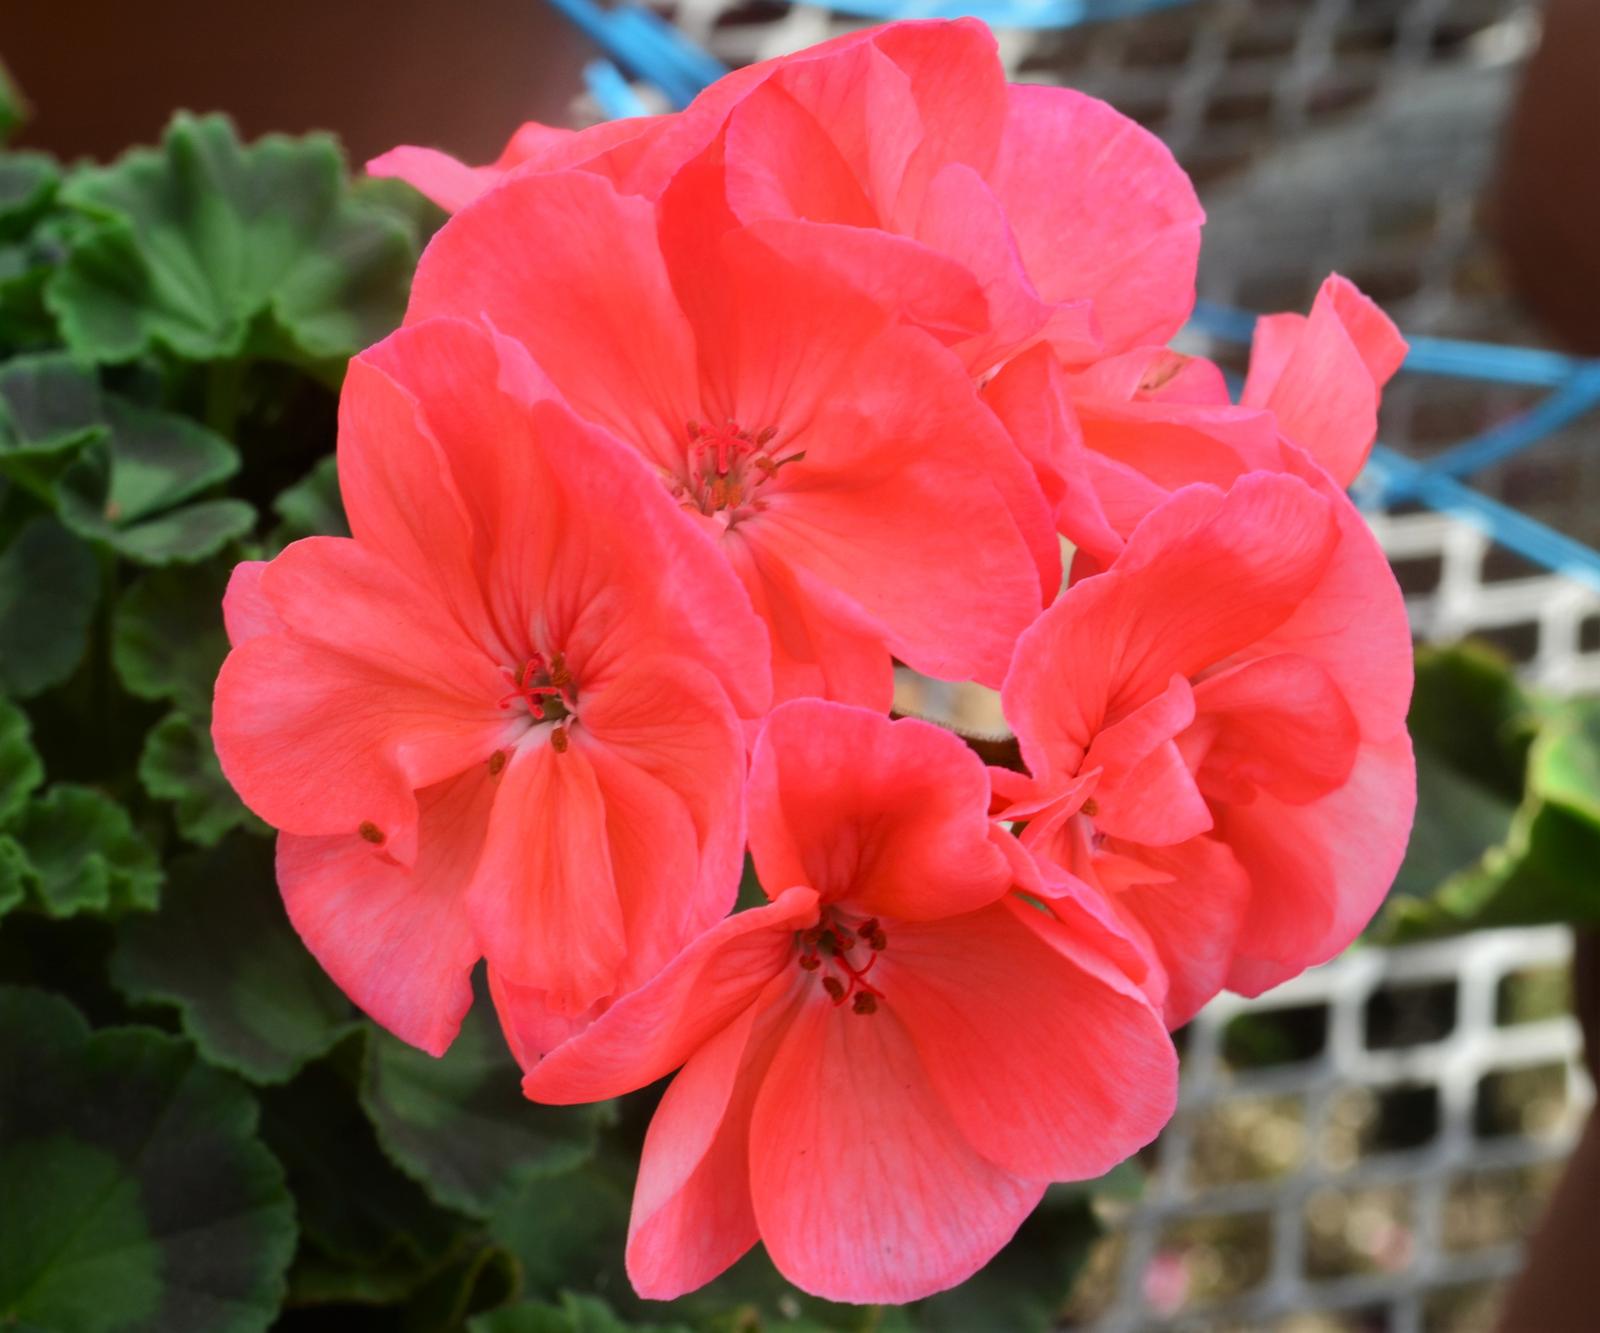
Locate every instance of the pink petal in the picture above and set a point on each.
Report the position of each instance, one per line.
(1318, 872)
(531, 1027)
(1322, 375)
(1146, 793)
(669, 758)
(543, 900)
(246, 612)
(1203, 577)
(1050, 1071)
(333, 724)
(864, 1188)
(651, 1031)
(890, 817)
(396, 940)
(692, 1215)
(1101, 211)
(583, 287)
(1277, 724)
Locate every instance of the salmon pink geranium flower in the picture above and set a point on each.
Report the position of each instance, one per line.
(843, 461)
(881, 1069)
(1215, 729)
(503, 719)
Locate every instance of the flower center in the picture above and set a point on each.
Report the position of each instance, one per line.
(548, 691)
(727, 466)
(843, 955)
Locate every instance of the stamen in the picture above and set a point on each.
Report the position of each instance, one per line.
(828, 944)
(497, 761)
(1090, 807)
(371, 832)
(558, 739)
(835, 989)
(866, 1002)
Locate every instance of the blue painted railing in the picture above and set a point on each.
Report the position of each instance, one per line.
(655, 53)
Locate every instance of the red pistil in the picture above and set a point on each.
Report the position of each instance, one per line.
(537, 681)
(832, 942)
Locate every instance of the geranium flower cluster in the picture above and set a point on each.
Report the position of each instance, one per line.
(698, 424)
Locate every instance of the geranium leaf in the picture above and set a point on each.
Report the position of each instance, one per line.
(138, 1198)
(28, 183)
(13, 872)
(83, 854)
(460, 1125)
(179, 764)
(214, 250)
(48, 405)
(575, 1314)
(122, 492)
(167, 636)
(48, 588)
(21, 770)
(13, 107)
(354, 1205)
(250, 996)
(312, 507)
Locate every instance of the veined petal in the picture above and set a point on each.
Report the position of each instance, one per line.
(543, 900)
(864, 1188)
(651, 1031)
(1049, 1071)
(396, 939)
(889, 817)
(1101, 211)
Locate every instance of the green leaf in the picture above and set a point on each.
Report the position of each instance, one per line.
(571, 1232)
(49, 584)
(28, 183)
(575, 1314)
(13, 873)
(137, 1197)
(13, 106)
(151, 462)
(213, 250)
(1564, 761)
(1470, 724)
(49, 404)
(21, 769)
(250, 995)
(179, 764)
(84, 855)
(459, 1124)
(312, 507)
(354, 1206)
(168, 639)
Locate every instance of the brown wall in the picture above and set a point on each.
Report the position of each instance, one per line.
(102, 74)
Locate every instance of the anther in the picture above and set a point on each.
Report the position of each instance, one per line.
(810, 962)
(371, 832)
(835, 989)
(1090, 807)
(843, 939)
(497, 761)
(558, 740)
(865, 1002)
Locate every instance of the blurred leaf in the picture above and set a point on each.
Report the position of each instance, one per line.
(83, 854)
(312, 507)
(28, 183)
(482, 1278)
(138, 1198)
(213, 250)
(48, 405)
(48, 588)
(575, 1314)
(1470, 724)
(13, 870)
(361, 1213)
(13, 106)
(250, 995)
(125, 493)
(571, 1232)
(168, 639)
(459, 1124)
(1564, 762)
(21, 770)
(179, 764)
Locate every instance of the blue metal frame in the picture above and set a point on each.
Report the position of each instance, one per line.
(655, 52)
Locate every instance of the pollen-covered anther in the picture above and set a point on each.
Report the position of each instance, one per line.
(727, 466)
(1090, 807)
(827, 948)
(370, 832)
(559, 739)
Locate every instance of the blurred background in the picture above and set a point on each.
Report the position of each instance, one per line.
(1371, 1147)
